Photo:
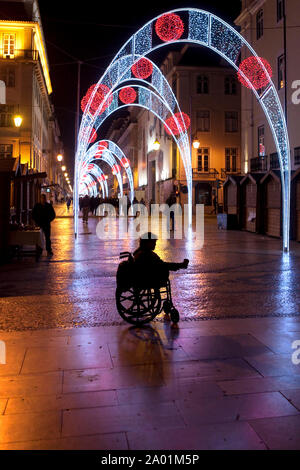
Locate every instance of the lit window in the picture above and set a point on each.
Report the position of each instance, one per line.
(231, 159)
(6, 151)
(261, 141)
(281, 72)
(203, 160)
(9, 41)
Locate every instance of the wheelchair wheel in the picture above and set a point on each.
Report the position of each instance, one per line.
(167, 307)
(138, 306)
(175, 317)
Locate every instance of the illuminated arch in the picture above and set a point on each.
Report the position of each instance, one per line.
(149, 100)
(86, 176)
(107, 146)
(205, 29)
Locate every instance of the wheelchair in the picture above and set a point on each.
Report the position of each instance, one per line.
(139, 304)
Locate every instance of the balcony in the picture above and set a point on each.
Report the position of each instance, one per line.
(259, 164)
(20, 54)
(210, 173)
(227, 172)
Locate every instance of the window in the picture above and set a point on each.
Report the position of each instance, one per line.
(230, 159)
(297, 155)
(9, 45)
(202, 85)
(259, 24)
(231, 121)
(230, 86)
(203, 160)
(6, 116)
(280, 9)
(281, 72)
(7, 74)
(6, 151)
(274, 161)
(261, 140)
(203, 121)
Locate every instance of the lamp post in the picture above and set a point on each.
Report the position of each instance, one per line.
(18, 123)
(59, 158)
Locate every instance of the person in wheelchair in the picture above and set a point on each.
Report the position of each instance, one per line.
(150, 269)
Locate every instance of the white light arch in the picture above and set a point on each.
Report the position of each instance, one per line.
(107, 146)
(205, 29)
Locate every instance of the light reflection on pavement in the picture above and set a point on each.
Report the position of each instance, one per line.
(236, 274)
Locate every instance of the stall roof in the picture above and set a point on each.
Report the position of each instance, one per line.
(254, 177)
(275, 173)
(235, 179)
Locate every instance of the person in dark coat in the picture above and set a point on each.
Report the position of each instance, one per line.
(43, 214)
(85, 209)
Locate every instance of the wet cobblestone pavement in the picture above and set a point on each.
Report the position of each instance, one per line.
(235, 275)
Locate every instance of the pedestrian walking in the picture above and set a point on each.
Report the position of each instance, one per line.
(43, 214)
(85, 209)
(170, 202)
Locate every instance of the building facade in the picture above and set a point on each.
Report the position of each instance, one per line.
(24, 68)
(272, 28)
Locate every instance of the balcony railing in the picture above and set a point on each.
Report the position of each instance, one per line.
(227, 172)
(259, 164)
(209, 173)
(23, 54)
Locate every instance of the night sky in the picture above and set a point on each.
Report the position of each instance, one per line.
(93, 32)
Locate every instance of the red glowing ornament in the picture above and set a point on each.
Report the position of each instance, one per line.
(125, 162)
(101, 93)
(142, 69)
(180, 124)
(115, 169)
(255, 72)
(169, 27)
(103, 145)
(91, 166)
(127, 95)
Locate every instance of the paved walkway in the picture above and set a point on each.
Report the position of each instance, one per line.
(76, 377)
(221, 384)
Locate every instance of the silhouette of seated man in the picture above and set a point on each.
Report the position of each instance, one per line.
(150, 269)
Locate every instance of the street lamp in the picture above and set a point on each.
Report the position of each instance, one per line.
(196, 144)
(60, 158)
(63, 168)
(18, 120)
(66, 175)
(156, 145)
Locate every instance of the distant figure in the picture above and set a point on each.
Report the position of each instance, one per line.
(151, 269)
(170, 202)
(85, 209)
(69, 201)
(214, 211)
(43, 214)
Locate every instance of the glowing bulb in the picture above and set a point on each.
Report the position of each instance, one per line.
(18, 121)
(156, 145)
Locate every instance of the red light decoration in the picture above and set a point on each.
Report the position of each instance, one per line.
(102, 92)
(253, 70)
(169, 27)
(115, 169)
(100, 149)
(90, 166)
(183, 122)
(127, 95)
(125, 162)
(142, 69)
